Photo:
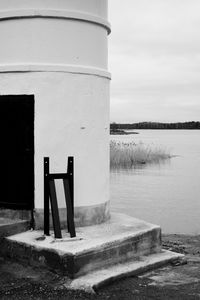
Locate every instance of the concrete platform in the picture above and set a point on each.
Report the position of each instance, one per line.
(121, 246)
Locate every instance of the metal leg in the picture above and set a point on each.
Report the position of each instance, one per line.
(54, 209)
(46, 196)
(69, 208)
(70, 172)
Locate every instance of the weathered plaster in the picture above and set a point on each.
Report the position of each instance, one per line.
(15, 214)
(83, 215)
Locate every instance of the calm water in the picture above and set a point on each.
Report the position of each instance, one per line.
(167, 194)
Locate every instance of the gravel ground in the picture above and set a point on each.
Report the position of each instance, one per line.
(171, 282)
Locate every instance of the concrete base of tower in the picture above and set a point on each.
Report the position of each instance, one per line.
(121, 247)
(83, 215)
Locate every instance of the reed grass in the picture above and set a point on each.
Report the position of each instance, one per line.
(129, 155)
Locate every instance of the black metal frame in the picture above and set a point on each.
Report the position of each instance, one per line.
(50, 193)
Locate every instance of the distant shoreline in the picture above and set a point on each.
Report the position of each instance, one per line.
(160, 129)
(193, 125)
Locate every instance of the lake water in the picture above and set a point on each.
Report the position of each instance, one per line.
(167, 194)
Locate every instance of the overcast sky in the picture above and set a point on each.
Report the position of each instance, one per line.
(154, 58)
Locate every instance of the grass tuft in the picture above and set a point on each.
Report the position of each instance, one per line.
(128, 155)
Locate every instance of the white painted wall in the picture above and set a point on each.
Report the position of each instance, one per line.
(62, 59)
(53, 41)
(94, 7)
(71, 118)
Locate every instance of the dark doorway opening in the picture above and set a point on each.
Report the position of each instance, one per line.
(17, 152)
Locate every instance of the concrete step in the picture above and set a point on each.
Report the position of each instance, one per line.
(92, 281)
(121, 239)
(10, 227)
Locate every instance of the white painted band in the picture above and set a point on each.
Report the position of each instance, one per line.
(53, 13)
(78, 69)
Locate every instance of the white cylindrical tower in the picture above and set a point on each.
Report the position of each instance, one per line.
(57, 51)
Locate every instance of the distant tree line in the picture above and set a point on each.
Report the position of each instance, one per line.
(155, 125)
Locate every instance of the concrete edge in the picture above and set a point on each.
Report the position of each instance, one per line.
(54, 13)
(14, 227)
(143, 269)
(88, 284)
(100, 247)
(121, 240)
(48, 67)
